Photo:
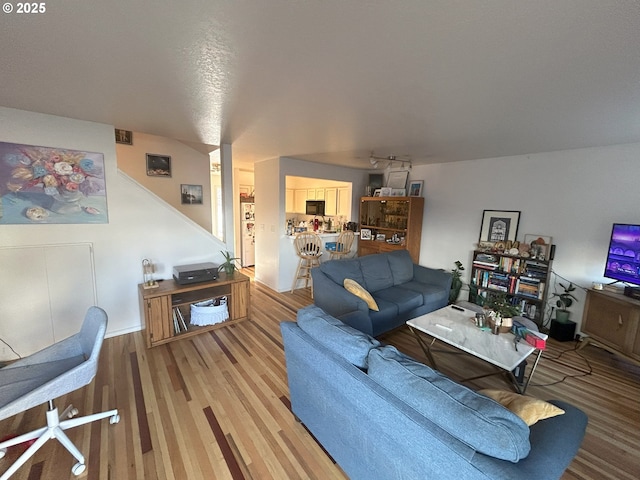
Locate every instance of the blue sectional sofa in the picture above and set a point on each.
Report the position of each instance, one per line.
(382, 415)
(401, 289)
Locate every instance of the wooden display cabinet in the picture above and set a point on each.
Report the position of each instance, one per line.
(612, 321)
(157, 305)
(388, 216)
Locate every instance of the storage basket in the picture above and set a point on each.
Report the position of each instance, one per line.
(209, 312)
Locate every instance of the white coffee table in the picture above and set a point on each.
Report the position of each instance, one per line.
(454, 326)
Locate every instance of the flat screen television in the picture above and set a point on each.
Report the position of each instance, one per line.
(623, 258)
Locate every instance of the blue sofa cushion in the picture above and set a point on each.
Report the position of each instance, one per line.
(401, 265)
(338, 270)
(343, 340)
(406, 300)
(474, 419)
(430, 293)
(376, 272)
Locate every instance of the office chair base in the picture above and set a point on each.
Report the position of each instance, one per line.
(54, 429)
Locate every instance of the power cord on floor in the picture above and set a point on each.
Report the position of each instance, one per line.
(553, 359)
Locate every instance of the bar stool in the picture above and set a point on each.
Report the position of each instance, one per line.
(343, 245)
(308, 247)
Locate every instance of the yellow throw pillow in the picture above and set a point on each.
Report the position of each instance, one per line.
(529, 409)
(358, 290)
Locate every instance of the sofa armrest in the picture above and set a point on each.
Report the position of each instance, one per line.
(334, 298)
(432, 276)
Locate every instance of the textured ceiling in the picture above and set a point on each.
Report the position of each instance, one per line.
(332, 80)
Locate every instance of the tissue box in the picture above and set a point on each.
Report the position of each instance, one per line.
(535, 341)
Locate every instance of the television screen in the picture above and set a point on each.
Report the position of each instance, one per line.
(623, 259)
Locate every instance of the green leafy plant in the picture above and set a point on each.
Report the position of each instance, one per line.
(501, 305)
(229, 265)
(565, 299)
(456, 282)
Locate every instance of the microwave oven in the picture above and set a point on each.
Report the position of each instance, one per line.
(315, 207)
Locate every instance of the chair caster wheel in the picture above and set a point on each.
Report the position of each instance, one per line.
(3, 452)
(78, 469)
(114, 419)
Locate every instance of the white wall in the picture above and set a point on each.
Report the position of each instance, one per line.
(573, 196)
(188, 166)
(140, 224)
(270, 185)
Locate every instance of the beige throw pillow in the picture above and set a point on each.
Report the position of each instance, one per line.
(358, 290)
(529, 409)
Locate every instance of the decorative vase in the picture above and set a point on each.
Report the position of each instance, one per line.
(66, 202)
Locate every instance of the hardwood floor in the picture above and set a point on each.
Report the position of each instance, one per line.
(215, 406)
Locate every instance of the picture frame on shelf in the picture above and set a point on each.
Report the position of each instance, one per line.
(415, 188)
(380, 237)
(158, 165)
(385, 192)
(540, 246)
(365, 234)
(377, 191)
(398, 192)
(499, 225)
(398, 179)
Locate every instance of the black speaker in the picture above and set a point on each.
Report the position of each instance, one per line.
(632, 292)
(563, 331)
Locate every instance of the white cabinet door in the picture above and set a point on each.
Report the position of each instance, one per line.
(319, 194)
(311, 194)
(299, 201)
(330, 199)
(344, 202)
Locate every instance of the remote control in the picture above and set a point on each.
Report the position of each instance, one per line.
(455, 307)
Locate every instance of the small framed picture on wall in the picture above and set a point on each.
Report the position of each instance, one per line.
(158, 165)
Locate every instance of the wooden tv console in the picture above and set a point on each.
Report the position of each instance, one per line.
(612, 321)
(157, 305)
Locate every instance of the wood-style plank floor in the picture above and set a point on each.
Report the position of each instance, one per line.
(215, 406)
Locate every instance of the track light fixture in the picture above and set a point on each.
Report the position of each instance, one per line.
(375, 161)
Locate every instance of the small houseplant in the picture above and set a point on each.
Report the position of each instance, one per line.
(501, 311)
(565, 300)
(229, 265)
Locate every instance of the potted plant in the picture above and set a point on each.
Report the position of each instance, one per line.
(501, 311)
(565, 300)
(229, 265)
(456, 282)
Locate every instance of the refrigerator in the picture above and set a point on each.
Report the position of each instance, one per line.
(248, 234)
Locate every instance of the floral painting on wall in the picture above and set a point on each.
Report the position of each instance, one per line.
(51, 185)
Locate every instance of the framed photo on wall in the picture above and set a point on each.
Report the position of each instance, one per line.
(124, 136)
(158, 165)
(191, 194)
(499, 225)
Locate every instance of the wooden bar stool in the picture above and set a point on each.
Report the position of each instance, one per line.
(308, 247)
(343, 245)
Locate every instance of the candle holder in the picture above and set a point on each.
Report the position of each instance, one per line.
(147, 274)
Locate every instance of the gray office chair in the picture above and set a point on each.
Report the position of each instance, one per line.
(57, 370)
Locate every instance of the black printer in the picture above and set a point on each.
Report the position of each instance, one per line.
(198, 272)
